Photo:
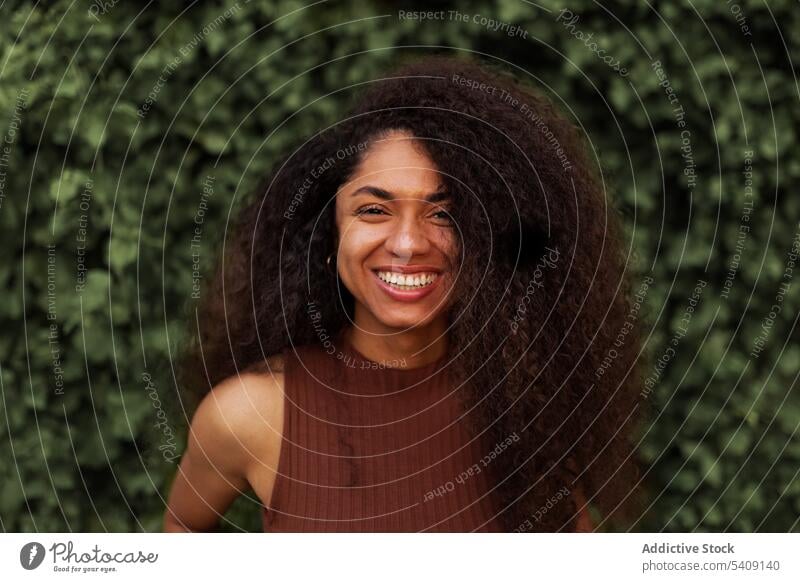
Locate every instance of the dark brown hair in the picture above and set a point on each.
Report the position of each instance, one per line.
(541, 297)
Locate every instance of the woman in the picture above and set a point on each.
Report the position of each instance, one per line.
(412, 323)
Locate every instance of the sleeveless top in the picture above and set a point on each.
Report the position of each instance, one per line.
(370, 448)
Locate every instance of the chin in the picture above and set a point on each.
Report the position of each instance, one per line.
(403, 319)
(403, 323)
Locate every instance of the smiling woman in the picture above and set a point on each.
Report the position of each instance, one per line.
(397, 249)
(382, 348)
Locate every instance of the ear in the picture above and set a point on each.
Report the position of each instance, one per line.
(335, 231)
(334, 225)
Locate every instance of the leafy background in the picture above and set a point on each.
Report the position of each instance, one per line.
(722, 452)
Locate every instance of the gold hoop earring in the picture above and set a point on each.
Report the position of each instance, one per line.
(334, 270)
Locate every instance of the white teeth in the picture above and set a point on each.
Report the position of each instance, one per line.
(406, 282)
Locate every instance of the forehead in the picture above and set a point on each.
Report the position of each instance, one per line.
(397, 163)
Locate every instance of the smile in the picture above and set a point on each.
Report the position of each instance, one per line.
(407, 287)
(406, 282)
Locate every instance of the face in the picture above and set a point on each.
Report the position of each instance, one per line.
(397, 243)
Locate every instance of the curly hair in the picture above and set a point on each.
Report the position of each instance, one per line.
(541, 297)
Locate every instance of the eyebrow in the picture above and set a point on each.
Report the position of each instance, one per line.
(438, 196)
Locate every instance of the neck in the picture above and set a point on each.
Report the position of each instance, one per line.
(418, 346)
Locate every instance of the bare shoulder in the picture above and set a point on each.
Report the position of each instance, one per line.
(242, 416)
(233, 443)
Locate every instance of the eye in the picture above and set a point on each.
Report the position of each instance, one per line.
(372, 210)
(443, 216)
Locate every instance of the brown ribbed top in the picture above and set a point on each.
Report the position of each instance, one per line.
(376, 449)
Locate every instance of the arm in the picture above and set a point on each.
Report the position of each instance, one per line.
(227, 437)
(583, 523)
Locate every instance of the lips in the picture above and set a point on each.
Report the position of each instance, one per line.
(408, 268)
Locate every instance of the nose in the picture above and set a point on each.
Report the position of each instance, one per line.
(408, 238)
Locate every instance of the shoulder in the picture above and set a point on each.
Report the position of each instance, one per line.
(241, 418)
(254, 390)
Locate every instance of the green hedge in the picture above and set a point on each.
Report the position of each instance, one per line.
(125, 129)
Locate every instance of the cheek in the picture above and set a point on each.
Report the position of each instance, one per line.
(356, 244)
(446, 240)
(356, 241)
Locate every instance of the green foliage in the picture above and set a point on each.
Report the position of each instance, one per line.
(114, 120)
